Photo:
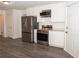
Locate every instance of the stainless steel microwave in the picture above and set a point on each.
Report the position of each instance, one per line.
(45, 13)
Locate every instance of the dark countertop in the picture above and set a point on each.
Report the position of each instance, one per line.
(50, 30)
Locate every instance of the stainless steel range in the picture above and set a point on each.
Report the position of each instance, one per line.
(42, 37)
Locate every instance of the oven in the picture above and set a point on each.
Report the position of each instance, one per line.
(42, 37)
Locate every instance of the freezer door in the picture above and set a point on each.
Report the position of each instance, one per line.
(26, 37)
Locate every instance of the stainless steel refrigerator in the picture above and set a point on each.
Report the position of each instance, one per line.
(29, 23)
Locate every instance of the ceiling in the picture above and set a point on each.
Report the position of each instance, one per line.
(25, 4)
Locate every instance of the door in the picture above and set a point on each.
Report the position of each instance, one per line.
(72, 34)
(34, 23)
(1, 24)
(26, 24)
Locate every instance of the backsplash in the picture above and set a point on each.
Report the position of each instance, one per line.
(55, 26)
(44, 23)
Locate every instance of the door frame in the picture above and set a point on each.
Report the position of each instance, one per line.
(2, 25)
(72, 52)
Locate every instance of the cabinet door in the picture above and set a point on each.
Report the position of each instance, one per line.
(51, 38)
(56, 38)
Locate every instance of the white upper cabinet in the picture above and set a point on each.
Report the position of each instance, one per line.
(58, 12)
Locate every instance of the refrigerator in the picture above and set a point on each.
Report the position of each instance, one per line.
(29, 23)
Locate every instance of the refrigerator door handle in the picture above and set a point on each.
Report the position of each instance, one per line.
(26, 23)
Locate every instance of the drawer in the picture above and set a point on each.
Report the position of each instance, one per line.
(26, 37)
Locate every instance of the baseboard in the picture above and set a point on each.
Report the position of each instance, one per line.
(16, 37)
(4, 36)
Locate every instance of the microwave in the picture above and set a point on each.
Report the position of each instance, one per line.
(45, 13)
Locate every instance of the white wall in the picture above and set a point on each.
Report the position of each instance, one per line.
(57, 20)
(17, 23)
(13, 23)
(72, 37)
(9, 23)
(2, 12)
(58, 14)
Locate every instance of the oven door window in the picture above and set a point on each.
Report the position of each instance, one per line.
(42, 37)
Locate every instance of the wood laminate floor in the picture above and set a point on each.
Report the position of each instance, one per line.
(15, 48)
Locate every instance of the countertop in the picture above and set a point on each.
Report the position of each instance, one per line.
(42, 31)
(49, 30)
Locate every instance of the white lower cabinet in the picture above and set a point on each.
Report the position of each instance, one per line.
(56, 38)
